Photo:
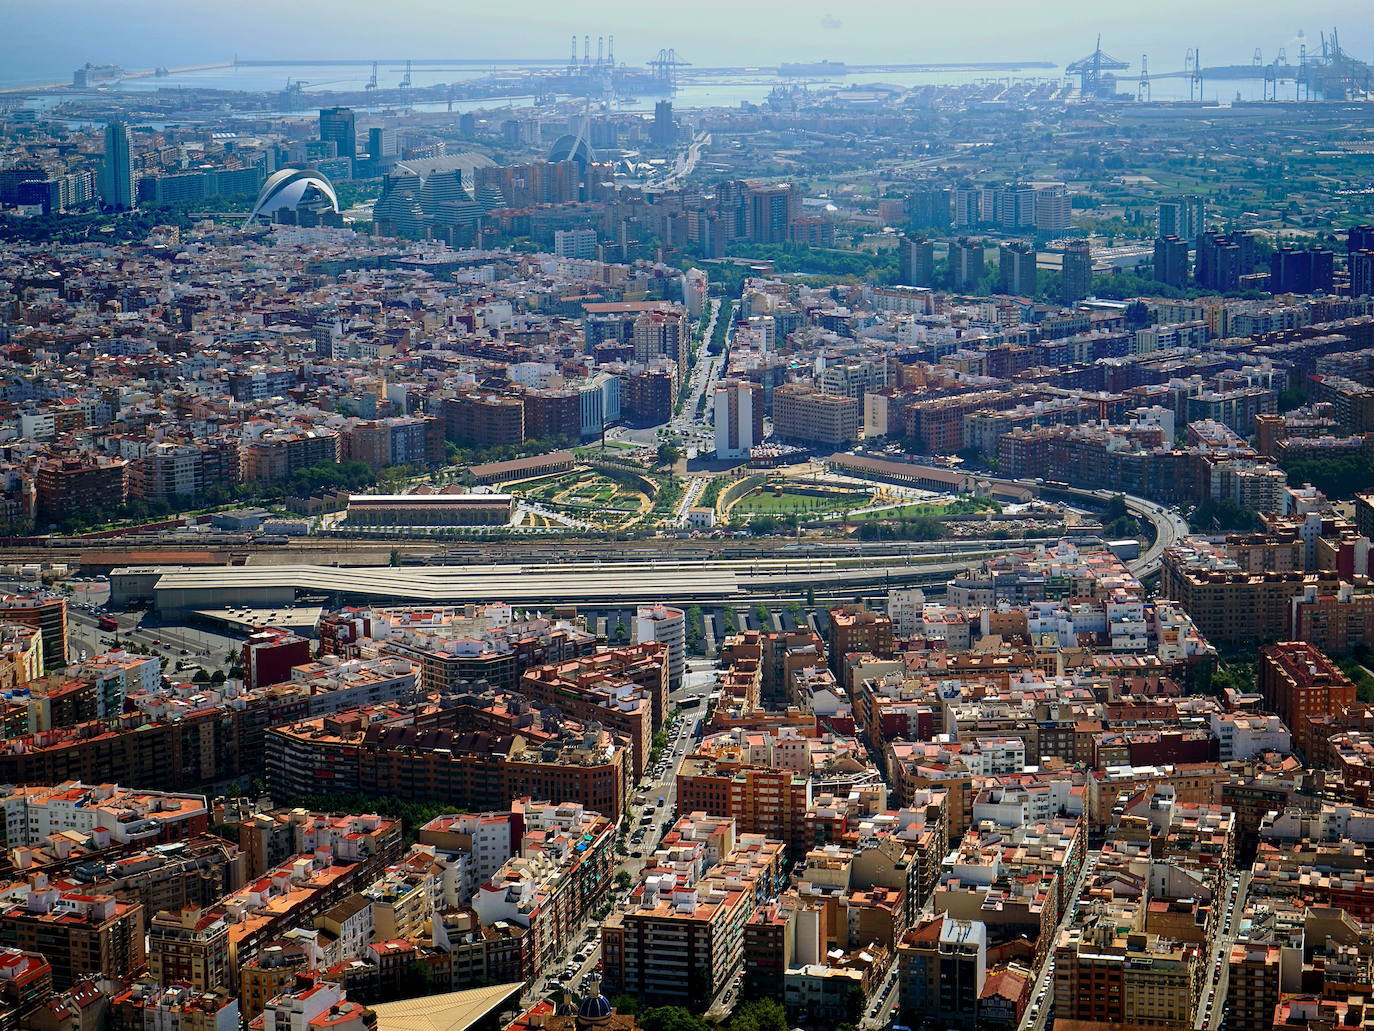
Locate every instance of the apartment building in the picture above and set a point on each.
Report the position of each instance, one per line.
(45, 614)
(146, 1004)
(190, 945)
(484, 420)
(1229, 605)
(803, 414)
(77, 933)
(457, 646)
(561, 873)
(854, 628)
(270, 838)
(108, 814)
(1135, 979)
(79, 485)
(682, 938)
(1300, 683)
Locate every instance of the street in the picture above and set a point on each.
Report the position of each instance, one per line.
(683, 165)
(649, 818)
(705, 371)
(180, 646)
(1212, 994)
(1042, 993)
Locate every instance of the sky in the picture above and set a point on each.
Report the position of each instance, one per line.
(44, 41)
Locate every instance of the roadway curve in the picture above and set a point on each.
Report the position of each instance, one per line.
(1168, 525)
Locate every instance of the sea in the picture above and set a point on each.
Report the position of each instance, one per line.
(695, 89)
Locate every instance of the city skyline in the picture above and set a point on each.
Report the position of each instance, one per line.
(146, 33)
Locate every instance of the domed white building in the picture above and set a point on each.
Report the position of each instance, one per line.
(292, 189)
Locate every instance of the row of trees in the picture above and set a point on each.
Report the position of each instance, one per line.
(1337, 476)
(921, 528)
(754, 1015)
(716, 345)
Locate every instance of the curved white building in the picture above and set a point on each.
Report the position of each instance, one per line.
(288, 187)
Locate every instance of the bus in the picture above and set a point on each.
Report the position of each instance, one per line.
(106, 623)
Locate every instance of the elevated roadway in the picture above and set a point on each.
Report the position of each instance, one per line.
(1167, 525)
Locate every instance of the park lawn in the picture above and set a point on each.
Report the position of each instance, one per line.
(765, 502)
(906, 512)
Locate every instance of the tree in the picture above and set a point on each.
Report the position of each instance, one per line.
(762, 616)
(1137, 315)
(1337, 476)
(672, 1018)
(1224, 516)
(811, 597)
(623, 881)
(1293, 397)
(668, 455)
(763, 525)
(759, 1015)
(922, 528)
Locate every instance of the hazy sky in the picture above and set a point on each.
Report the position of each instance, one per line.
(48, 38)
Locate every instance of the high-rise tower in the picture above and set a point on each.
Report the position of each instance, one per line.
(117, 171)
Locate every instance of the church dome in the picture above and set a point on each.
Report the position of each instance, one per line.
(593, 1010)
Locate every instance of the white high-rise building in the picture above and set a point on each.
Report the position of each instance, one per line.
(694, 290)
(1053, 208)
(575, 243)
(739, 418)
(668, 626)
(1184, 217)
